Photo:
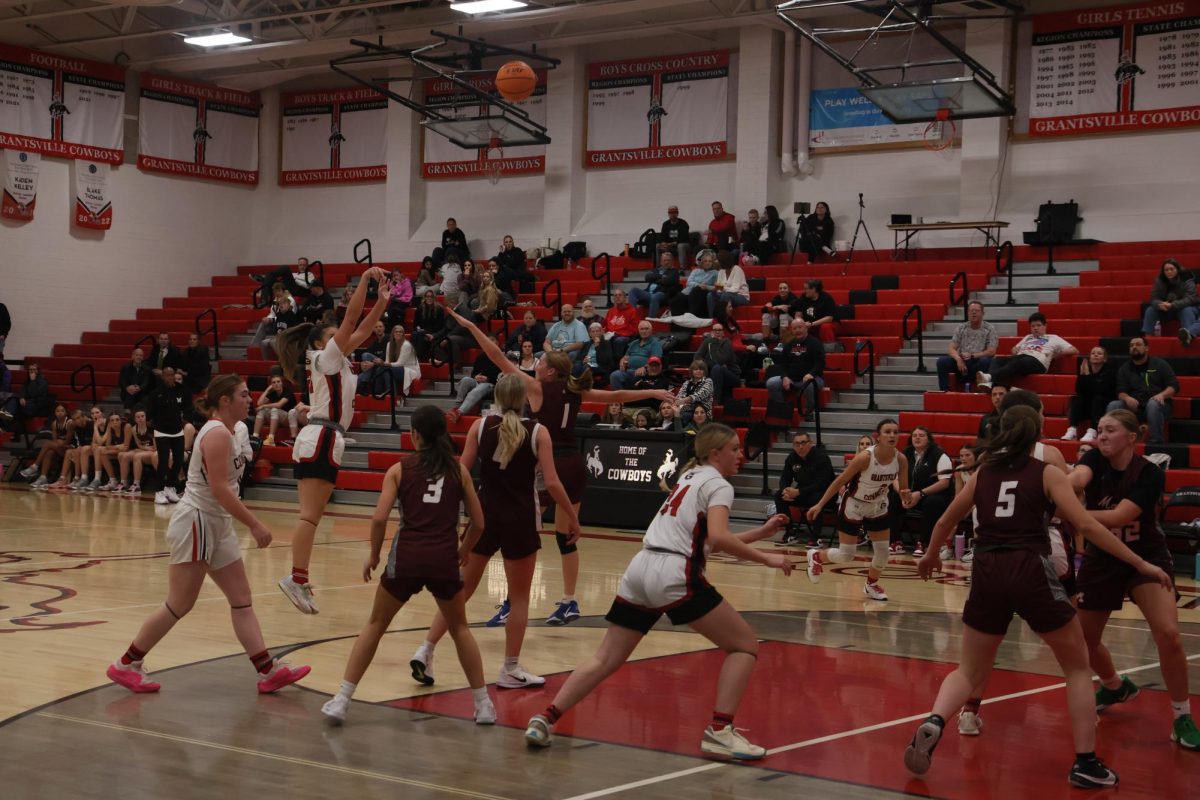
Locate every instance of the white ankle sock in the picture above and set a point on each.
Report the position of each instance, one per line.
(509, 663)
(568, 598)
(479, 695)
(428, 646)
(347, 689)
(1182, 708)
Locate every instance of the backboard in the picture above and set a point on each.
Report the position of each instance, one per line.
(920, 101)
(475, 132)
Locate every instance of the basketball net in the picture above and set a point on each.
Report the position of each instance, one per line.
(939, 133)
(493, 160)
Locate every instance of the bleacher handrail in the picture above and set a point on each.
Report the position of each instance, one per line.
(816, 409)
(143, 340)
(918, 334)
(360, 259)
(389, 392)
(868, 371)
(1004, 263)
(213, 329)
(964, 300)
(91, 381)
(318, 267)
(606, 275)
(555, 284)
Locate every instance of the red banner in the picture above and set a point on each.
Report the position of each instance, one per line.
(335, 136)
(1124, 68)
(61, 106)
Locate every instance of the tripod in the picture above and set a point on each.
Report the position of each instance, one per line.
(861, 226)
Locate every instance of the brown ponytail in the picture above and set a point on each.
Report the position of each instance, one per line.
(1020, 428)
(293, 343)
(220, 386)
(561, 364)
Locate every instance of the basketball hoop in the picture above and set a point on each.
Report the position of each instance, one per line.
(493, 160)
(940, 132)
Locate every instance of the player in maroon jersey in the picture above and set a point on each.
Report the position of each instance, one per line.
(554, 397)
(1013, 494)
(427, 487)
(1122, 491)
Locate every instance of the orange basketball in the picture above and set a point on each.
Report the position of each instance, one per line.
(515, 81)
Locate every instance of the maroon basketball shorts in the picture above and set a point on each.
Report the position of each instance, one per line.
(572, 471)
(1105, 581)
(512, 538)
(1021, 582)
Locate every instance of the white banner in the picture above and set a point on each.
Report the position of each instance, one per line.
(93, 203)
(334, 136)
(21, 171)
(197, 130)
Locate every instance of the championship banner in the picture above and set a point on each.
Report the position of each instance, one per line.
(197, 130)
(61, 106)
(845, 118)
(21, 171)
(1124, 68)
(337, 136)
(658, 110)
(443, 159)
(93, 206)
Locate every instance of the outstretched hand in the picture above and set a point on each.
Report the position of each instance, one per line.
(929, 564)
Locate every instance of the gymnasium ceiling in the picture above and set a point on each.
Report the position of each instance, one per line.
(293, 38)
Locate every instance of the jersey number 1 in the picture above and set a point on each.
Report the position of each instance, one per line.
(434, 493)
(674, 500)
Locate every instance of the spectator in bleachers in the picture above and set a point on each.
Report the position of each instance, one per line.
(272, 409)
(428, 323)
(588, 315)
(807, 473)
(816, 233)
(319, 303)
(971, 348)
(733, 332)
(399, 299)
(454, 338)
(752, 229)
(527, 358)
(771, 238)
(632, 365)
(621, 322)
(675, 237)
(197, 367)
(401, 357)
(426, 277)
(716, 351)
(732, 286)
(989, 424)
(695, 392)
(722, 229)
(614, 414)
(668, 417)
(451, 272)
(374, 348)
(693, 297)
(488, 303)
(864, 441)
(655, 378)
(452, 238)
(1033, 355)
(469, 282)
(284, 315)
(818, 308)
(929, 474)
(567, 335)
(777, 313)
(297, 282)
(597, 355)
(164, 355)
(1145, 385)
(802, 362)
(700, 418)
(32, 401)
(477, 388)
(1173, 297)
(513, 265)
(531, 330)
(662, 284)
(1095, 388)
(643, 420)
(136, 379)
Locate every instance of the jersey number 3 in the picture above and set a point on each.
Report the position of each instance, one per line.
(434, 493)
(1006, 501)
(674, 500)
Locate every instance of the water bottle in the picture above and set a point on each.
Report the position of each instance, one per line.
(770, 509)
(1198, 566)
(1158, 329)
(960, 546)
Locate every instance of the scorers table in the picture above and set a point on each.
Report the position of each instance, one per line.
(903, 234)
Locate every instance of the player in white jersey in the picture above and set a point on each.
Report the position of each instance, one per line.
(865, 505)
(318, 450)
(203, 543)
(667, 577)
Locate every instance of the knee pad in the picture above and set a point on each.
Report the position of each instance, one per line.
(879, 554)
(563, 547)
(842, 554)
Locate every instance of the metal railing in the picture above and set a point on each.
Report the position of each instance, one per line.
(213, 329)
(147, 338)
(389, 391)
(91, 381)
(318, 267)
(1004, 263)
(606, 275)
(867, 372)
(964, 299)
(556, 285)
(357, 258)
(918, 334)
(816, 406)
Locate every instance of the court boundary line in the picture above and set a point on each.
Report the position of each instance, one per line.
(670, 776)
(304, 762)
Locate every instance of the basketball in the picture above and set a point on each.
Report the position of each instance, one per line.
(515, 81)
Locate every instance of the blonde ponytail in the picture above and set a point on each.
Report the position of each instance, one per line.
(510, 397)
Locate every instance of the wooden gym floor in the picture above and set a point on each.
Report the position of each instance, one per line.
(839, 684)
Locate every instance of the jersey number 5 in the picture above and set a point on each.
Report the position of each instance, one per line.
(1006, 501)
(674, 500)
(434, 493)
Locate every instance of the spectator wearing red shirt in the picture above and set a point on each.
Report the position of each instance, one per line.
(621, 322)
(723, 229)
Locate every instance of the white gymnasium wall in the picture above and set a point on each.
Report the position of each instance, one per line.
(168, 234)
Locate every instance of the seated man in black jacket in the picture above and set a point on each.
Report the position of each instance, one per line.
(136, 380)
(513, 269)
(662, 284)
(675, 236)
(454, 237)
(165, 355)
(655, 377)
(806, 475)
(802, 361)
(318, 303)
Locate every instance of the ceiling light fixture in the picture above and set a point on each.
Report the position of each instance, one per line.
(485, 6)
(216, 39)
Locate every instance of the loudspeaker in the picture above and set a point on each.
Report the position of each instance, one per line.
(902, 219)
(802, 208)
